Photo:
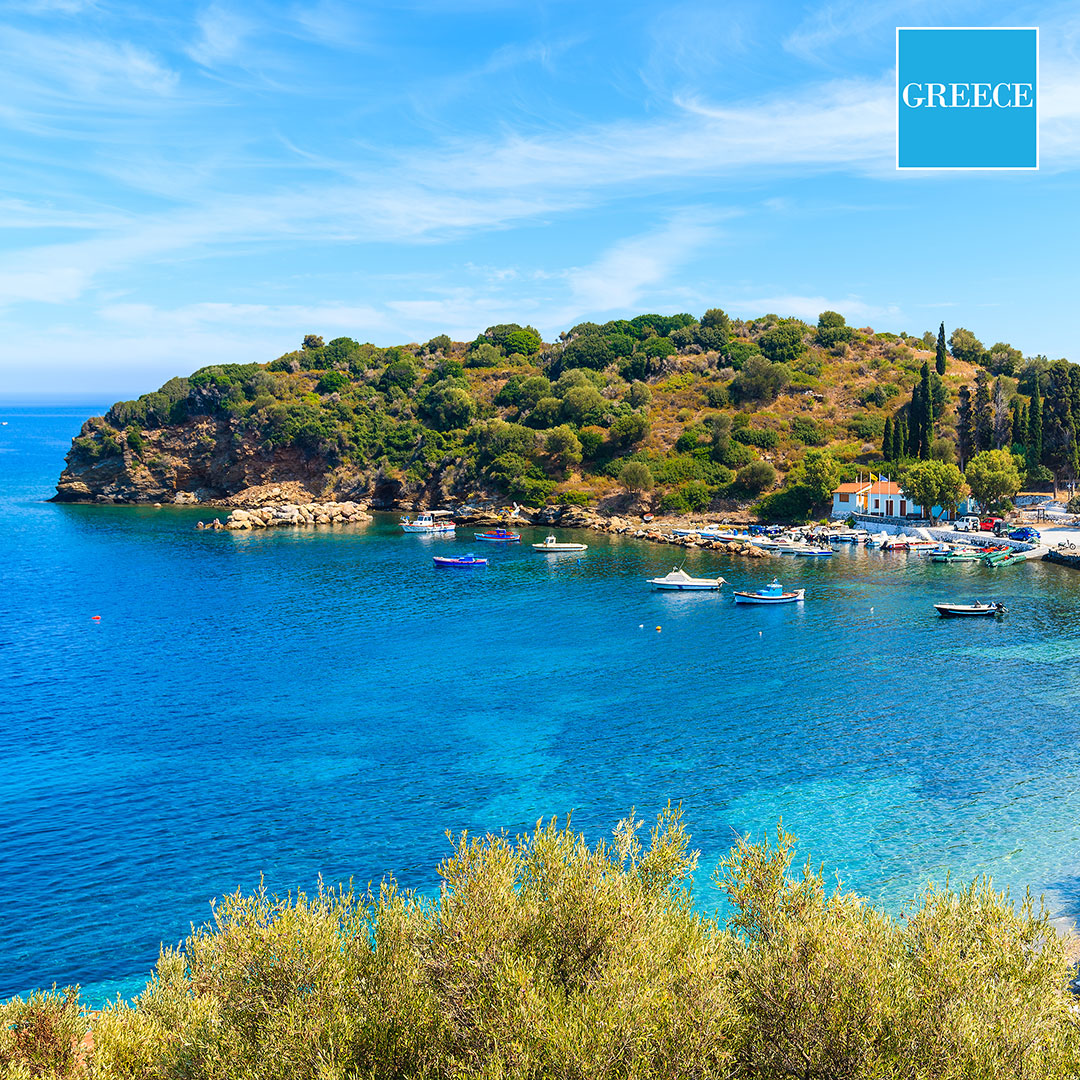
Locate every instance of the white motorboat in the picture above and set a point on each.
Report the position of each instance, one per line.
(771, 594)
(679, 580)
(430, 522)
(955, 611)
(550, 544)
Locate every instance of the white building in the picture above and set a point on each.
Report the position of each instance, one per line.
(875, 498)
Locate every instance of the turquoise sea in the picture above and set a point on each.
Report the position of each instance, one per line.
(292, 704)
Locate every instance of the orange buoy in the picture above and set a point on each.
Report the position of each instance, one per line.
(658, 629)
(97, 618)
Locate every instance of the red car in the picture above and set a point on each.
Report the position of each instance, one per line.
(987, 524)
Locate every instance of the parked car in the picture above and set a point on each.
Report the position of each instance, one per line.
(968, 523)
(987, 524)
(1001, 528)
(1027, 534)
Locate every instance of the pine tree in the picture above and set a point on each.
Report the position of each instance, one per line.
(887, 440)
(1033, 445)
(965, 433)
(984, 418)
(939, 363)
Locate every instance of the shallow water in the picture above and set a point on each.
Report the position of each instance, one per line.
(293, 704)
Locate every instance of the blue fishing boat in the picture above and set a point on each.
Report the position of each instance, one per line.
(771, 594)
(458, 560)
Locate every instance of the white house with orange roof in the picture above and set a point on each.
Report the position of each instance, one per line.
(877, 497)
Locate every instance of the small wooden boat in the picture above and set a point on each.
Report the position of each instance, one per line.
(771, 594)
(959, 611)
(550, 544)
(815, 553)
(499, 536)
(458, 560)
(680, 581)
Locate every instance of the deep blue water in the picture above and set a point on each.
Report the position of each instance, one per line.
(302, 703)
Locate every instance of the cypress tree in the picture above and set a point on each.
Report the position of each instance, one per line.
(984, 418)
(939, 363)
(897, 440)
(926, 421)
(1033, 447)
(904, 438)
(887, 440)
(914, 423)
(965, 434)
(1019, 427)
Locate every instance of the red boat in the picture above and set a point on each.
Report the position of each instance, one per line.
(499, 536)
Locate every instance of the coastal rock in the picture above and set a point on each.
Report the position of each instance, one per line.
(308, 514)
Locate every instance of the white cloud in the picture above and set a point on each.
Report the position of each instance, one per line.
(221, 34)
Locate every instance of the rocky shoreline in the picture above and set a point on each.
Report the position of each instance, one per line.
(302, 515)
(314, 514)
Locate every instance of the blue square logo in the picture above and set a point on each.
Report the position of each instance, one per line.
(967, 97)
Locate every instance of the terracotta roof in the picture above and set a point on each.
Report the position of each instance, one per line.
(886, 487)
(852, 487)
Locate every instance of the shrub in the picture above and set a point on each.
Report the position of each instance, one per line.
(635, 476)
(544, 956)
(484, 355)
(135, 439)
(717, 397)
(39, 1035)
(332, 382)
(591, 440)
(756, 477)
(576, 498)
(763, 438)
(628, 429)
(807, 432)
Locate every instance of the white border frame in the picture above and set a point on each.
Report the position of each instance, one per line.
(973, 168)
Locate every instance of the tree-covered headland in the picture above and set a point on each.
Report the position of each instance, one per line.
(692, 413)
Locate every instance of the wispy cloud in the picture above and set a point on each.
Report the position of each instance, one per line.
(221, 35)
(809, 308)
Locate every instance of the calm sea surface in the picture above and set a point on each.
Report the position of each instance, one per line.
(294, 704)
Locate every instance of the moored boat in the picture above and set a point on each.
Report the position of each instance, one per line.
(499, 536)
(960, 611)
(430, 521)
(550, 544)
(458, 560)
(771, 594)
(680, 581)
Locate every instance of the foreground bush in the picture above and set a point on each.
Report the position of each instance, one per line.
(545, 957)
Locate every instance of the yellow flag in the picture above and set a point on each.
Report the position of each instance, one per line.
(873, 479)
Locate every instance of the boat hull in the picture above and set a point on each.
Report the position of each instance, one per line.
(675, 587)
(783, 598)
(510, 538)
(969, 611)
(446, 561)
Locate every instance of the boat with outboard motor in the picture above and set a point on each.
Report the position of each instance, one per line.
(959, 611)
(680, 581)
(771, 594)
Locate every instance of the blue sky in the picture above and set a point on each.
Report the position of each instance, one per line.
(186, 184)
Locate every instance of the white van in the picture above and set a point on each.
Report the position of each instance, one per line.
(968, 523)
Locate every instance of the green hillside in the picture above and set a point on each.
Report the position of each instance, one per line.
(700, 413)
